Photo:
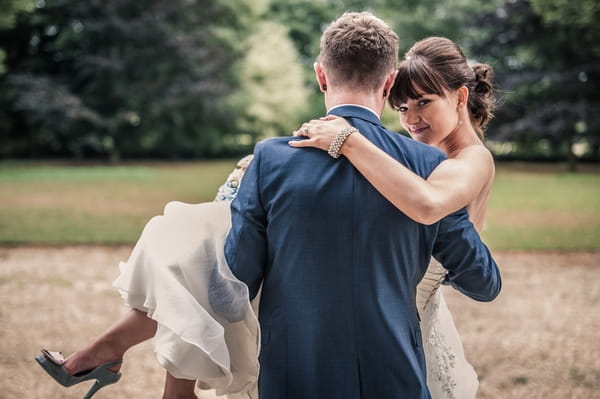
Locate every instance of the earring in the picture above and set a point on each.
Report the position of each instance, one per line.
(325, 87)
(385, 93)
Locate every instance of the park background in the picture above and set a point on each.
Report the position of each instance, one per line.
(110, 109)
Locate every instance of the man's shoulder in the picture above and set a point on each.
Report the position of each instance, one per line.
(419, 157)
(415, 145)
(273, 142)
(274, 149)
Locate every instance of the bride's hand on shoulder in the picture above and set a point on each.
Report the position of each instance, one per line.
(319, 133)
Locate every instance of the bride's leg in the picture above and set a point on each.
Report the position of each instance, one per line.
(133, 329)
(178, 388)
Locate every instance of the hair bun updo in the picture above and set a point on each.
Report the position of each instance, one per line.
(483, 78)
(481, 101)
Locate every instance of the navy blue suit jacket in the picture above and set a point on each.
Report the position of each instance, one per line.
(339, 265)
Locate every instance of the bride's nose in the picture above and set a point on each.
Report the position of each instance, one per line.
(412, 117)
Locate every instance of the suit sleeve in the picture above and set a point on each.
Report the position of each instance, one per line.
(246, 244)
(471, 268)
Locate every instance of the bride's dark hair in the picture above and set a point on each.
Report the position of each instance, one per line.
(437, 65)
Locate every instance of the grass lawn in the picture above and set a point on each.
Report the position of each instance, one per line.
(63, 204)
(542, 207)
(532, 207)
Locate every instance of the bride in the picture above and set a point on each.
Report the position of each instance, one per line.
(182, 294)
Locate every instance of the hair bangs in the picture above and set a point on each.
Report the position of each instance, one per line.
(415, 78)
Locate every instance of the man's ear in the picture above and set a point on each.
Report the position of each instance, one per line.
(320, 75)
(389, 83)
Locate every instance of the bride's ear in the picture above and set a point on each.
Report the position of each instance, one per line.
(320, 75)
(463, 95)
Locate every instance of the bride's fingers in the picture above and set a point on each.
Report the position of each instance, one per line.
(303, 131)
(299, 143)
(329, 117)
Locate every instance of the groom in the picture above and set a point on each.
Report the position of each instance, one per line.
(337, 262)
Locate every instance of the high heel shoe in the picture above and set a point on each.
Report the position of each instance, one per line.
(52, 363)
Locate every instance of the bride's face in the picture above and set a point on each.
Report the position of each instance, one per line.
(430, 118)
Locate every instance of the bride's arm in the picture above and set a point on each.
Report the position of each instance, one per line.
(453, 184)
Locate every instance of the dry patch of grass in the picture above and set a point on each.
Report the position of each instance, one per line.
(537, 340)
(60, 298)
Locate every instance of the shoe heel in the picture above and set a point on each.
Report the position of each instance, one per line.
(95, 388)
(103, 378)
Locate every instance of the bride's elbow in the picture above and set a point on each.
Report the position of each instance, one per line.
(426, 213)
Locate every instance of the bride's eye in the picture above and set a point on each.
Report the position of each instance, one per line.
(423, 102)
(402, 108)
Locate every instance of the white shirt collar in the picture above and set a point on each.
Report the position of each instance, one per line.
(354, 105)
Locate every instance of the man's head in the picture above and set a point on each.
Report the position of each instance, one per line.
(358, 52)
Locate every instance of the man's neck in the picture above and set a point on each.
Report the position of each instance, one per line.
(348, 98)
(370, 110)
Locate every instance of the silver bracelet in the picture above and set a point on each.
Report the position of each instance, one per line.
(339, 140)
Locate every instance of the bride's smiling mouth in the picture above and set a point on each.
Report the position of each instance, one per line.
(418, 130)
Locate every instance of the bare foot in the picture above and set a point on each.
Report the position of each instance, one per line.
(90, 358)
(132, 329)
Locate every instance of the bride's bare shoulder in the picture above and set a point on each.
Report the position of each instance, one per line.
(476, 155)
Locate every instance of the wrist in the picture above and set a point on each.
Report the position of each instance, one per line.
(336, 145)
(351, 143)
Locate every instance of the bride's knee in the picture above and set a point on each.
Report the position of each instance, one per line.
(155, 224)
(158, 223)
(172, 207)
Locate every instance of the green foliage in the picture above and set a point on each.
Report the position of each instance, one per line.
(546, 61)
(199, 78)
(10, 10)
(414, 21)
(582, 15)
(305, 21)
(2, 58)
(272, 84)
(125, 78)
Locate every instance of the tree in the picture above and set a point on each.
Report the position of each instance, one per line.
(546, 55)
(143, 78)
(273, 94)
(10, 10)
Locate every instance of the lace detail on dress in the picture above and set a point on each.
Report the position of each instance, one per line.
(430, 283)
(442, 365)
(449, 374)
(229, 189)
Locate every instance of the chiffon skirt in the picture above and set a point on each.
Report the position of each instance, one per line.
(208, 330)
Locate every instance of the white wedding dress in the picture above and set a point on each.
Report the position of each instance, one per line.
(449, 374)
(207, 329)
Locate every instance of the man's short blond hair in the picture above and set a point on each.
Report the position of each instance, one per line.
(359, 50)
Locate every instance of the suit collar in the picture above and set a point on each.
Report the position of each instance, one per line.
(355, 111)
